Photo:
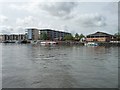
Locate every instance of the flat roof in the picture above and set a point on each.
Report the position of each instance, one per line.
(53, 30)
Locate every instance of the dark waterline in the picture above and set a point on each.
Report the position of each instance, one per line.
(34, 66)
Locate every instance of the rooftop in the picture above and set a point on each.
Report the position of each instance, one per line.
(52, 30)
(100, 34)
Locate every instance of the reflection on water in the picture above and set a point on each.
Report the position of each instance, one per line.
(34, 66)
(0, 67)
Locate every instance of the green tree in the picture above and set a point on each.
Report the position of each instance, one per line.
(77, 37)
(68, 37)
(43, 36)
(117, 35)
(81, 36)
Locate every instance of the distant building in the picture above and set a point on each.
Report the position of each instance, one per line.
(35, 34)
(12, 37)
(53, 34)
(4, 38)
(99, 37)
(32, 34)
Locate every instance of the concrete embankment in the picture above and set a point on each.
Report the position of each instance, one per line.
(82, 43)
(69, 43)
(108, 44)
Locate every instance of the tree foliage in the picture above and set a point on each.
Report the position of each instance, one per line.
(43, 36)
(81, 36)
(117, 35)
(77, 37)
(68, 37)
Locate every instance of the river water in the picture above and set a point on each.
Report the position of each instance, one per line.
(35, 66)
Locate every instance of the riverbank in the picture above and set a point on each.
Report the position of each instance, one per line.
(65, 43)
(109, 43)
(70, 43)
(83, 43)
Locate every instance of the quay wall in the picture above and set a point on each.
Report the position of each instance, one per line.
(82, 43)
(108, 44)
(69, 43)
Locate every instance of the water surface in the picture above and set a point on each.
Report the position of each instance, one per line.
(35, 66)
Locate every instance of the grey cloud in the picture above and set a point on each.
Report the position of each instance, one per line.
(6, 29)
(3, 19)
(112, 7)
(28, 21)
(59, 9)
(118, 17)
(91, 20)
(11, 30)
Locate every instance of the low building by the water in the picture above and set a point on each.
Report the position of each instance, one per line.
(12, 37)
(99, 37)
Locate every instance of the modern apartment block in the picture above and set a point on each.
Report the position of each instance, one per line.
(53, 34)
(12, 37)
(32, 34)
(35, 34)
(99, 37)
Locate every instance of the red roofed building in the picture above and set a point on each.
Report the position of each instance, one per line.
(99, 37)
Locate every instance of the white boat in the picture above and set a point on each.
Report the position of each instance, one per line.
(91, 44)
(33, 42)
(44, 43)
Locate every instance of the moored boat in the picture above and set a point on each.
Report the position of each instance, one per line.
(91, 44)
(44, 43)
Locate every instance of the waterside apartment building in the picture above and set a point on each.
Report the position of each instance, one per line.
(12, 37)
(32, 34)
(53, 34)
(35, 34)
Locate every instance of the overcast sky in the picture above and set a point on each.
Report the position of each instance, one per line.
(74, 17)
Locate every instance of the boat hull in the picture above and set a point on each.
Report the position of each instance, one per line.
(91, 44)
